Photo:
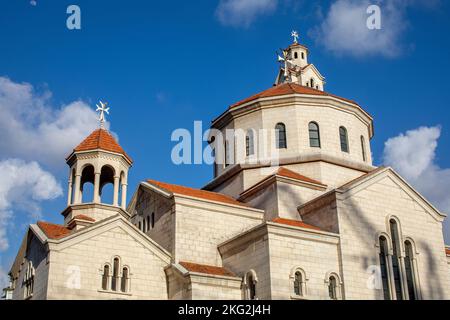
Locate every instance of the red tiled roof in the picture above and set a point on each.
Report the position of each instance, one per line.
(101, 139)
(295, 223)
(197, 193)
(447, 251)
(83, 217)
(201, 268)
(288, 88)
(294, 175)
(53, 231)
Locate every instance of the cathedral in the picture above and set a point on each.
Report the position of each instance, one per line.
(313, 219)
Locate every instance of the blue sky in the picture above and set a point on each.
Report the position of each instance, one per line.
(162, 65)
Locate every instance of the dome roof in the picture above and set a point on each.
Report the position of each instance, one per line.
(287, 89)
(103, 140)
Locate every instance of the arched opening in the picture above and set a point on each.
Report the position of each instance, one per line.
(153, 220)
(303, 55)
(298, 282)
(295, 55)
(105, 277)
(343, 137)
(107, 184)
(280, 136)
(115, 277)
(333, 288)
(250, 285)
(87, 184)
(396, 258)
(314, 135)
(409, 269)
(250, 143)
(125, 280)
(312, 83)
(384, 267)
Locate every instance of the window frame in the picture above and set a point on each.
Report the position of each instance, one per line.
(280, 136)
(343, 139)
(314, 131)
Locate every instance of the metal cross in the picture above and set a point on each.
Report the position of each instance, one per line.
(102, 108)
(294, 34)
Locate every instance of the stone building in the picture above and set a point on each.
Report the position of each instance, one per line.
(311, 219)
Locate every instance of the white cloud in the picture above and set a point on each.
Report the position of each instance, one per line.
(22, 187)
(413, 156)
(4, 279)
(32, 129)
(344, 29)
(242, 13)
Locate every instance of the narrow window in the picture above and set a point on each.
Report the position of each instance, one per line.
(140, 225)
(148, 223)
(303, 55)
(105, 277)
(396, 259)
(312, 83)
(227, 154)
(363, 149)
(249, 143)
(153, 220)
(298, 282)
(124, 281)
(295, 55)
(251, 288)
(115, 277)
(280, 136)
(144, 225)
(314, 135)
(343, 136)
(409, 268)
(383, 268)
(332, 288)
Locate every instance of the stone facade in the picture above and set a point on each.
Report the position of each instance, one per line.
(315, 221)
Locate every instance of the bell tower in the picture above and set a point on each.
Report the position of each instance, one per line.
(98, 160)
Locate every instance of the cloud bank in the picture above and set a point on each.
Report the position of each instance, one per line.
(344, 30)
(413, 155)
(242, 13)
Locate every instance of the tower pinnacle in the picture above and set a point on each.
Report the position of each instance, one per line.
(102, 109)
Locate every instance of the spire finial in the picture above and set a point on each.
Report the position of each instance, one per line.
(102, 109)
(294, 34)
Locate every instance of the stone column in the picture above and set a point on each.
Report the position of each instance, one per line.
(77, 194)
(97, 187)
(69, 191)
(124, 196)
(116, 191)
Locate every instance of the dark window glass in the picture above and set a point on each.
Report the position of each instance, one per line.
(249, 143)
(314, 135)
(396, 260)
(298, 284)
(124, 282)
(344, 139)
(153, 220)
(105, 277)
(115, 277)
(280, 136)
(251, 288)
(332, 288)
(409, 268)
(383, 267)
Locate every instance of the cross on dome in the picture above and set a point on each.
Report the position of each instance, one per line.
(102, 109)
(295, 35)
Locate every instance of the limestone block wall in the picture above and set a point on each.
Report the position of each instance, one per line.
(163, 230)
(316, 254)
(215, 288)
(251, 254)
(89, 254)
(201, 226)
(364, 213)
(37, 254)
(267, 200)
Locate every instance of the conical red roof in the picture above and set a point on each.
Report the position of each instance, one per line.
(101, 139)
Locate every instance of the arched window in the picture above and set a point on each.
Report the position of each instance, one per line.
(144, 225)
(332, 288)
(384, 268)
(363, 148)
(303, 55)
(153, 220)
(148, 223)
(312, 83)
(396, 258)
(249, 143)
(140, 225)
(125, 280)
(343, 136)
(250, 285)
(295, 55)
(105, 277)
(314, 135)
(298, 283)
(280, 136)
(115, 277)
(409, 268)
